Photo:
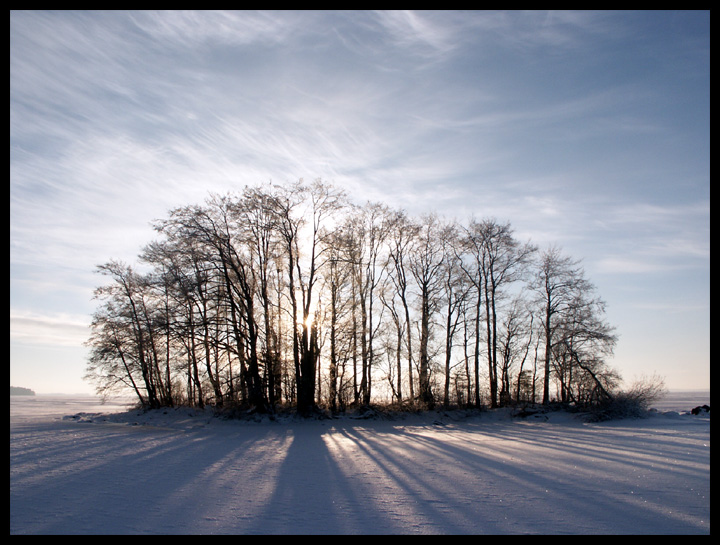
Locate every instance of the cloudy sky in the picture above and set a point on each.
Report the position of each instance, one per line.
(588, 130)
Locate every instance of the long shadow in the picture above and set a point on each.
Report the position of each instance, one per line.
(345, 479)
(435, 489)
(312, 495)
(414, 480)
(80, 479)
(644, 448)
(534, 491)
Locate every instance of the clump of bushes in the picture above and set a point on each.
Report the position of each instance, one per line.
(635, 402)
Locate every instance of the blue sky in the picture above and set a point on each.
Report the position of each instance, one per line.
(588, 130)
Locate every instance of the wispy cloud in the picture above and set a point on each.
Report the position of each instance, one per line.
(555, 28)
(422, 32)
(586, 129)
(49, 329)
(188, 29)
(650, 237)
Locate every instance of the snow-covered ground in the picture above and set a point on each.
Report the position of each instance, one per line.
(79, 467)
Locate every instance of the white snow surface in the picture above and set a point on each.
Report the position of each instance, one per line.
(79, 467)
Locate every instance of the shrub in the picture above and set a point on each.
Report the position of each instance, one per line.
(631, 403)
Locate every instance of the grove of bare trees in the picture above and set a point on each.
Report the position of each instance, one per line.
(292, 296)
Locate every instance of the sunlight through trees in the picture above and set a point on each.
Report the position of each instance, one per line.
(294, 296)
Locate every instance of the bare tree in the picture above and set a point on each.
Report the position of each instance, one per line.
(472, 253)
(402, 236)
(426, 263)
(255, 216)
(339, 279)
(514, 339)
(571, 319)
(302, 211)
(237, 281)
(371, 225)
(500, 259)
(124, 330)
(584, 340)
(113, 363)
(210, 227)
(182, 267)
(455, 291)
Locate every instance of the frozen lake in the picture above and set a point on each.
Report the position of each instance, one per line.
(683, 400)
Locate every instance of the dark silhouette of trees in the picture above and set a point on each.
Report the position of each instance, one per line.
(123, 339)
(426, 262)
(576, 338)
(292, 296)
(455, 289)
(498, 259)
(402, 235)
(301, 212)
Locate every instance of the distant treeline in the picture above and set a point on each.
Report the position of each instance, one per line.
(292, 295)
(18, 391)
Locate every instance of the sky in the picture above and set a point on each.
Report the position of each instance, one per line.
(585, 130)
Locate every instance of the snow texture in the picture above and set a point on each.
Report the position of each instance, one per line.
(78, 467)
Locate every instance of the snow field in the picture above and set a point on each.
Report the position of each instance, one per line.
(184, 472)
